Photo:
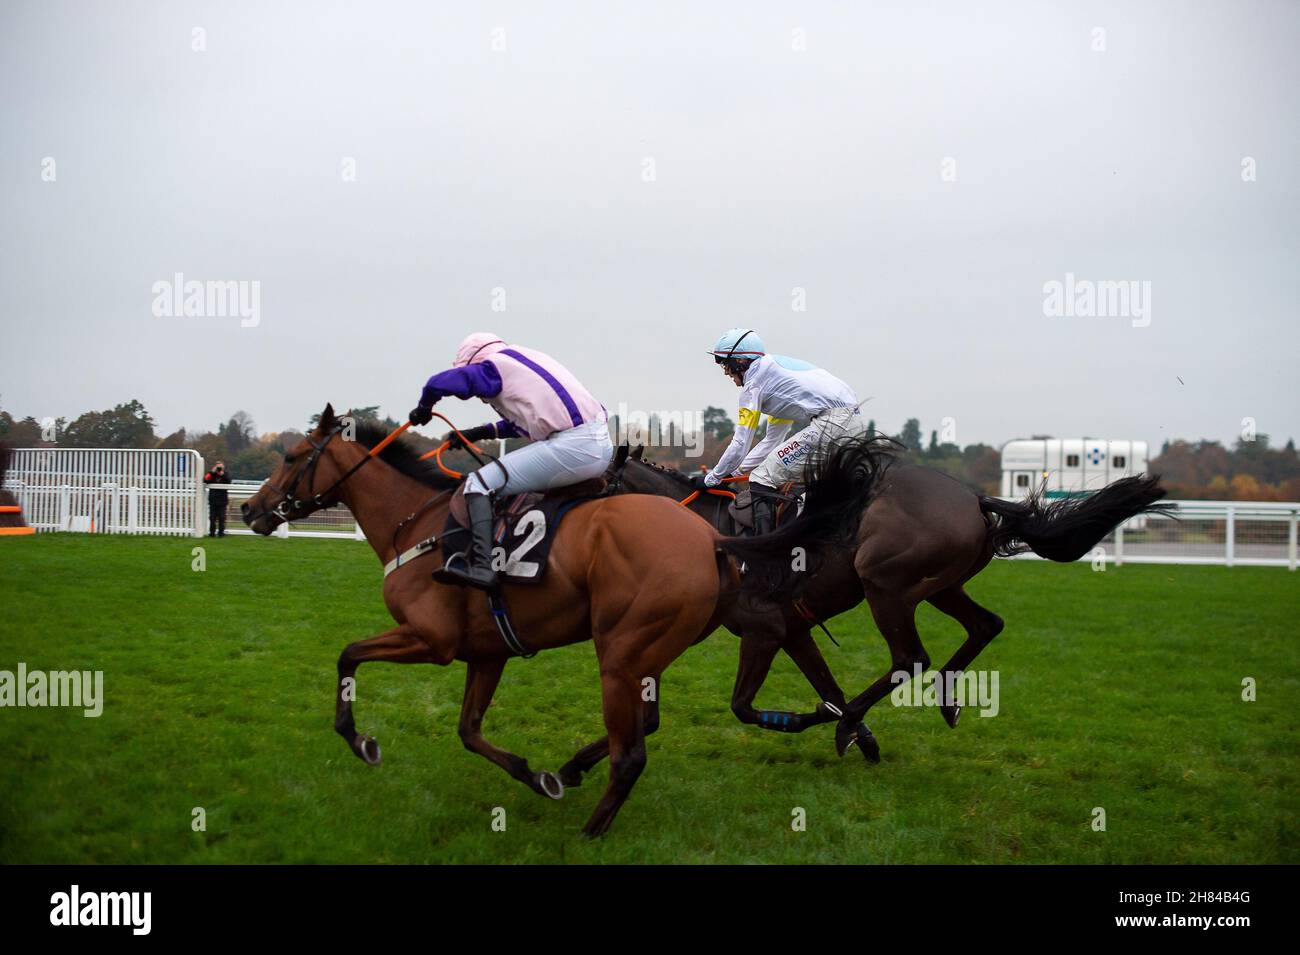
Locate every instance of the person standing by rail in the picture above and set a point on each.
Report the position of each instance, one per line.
(218, 498)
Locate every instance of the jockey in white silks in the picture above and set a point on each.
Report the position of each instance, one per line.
(538, 399)
(808, 411)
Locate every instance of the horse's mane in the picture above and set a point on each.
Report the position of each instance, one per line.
(404, 456)
(665, 469)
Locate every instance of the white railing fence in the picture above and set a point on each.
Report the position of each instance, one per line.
(109, 491)
(162, 492)
(1227, 533)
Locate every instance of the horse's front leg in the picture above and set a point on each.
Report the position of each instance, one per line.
(399, 645)
(803, 650)
(481, 679)
(759, 644)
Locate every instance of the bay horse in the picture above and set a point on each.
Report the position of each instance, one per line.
(876, 527)
(642, 598)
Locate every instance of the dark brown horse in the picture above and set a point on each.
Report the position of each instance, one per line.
(765, 624)
(877, 528)
(642, 598)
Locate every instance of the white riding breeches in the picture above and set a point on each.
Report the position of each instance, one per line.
(813, 444)
(566, 457)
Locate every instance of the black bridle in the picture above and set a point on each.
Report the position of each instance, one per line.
(289, 503)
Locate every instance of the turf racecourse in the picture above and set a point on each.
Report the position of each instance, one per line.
(1119, 690)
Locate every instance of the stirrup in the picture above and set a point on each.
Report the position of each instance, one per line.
(481, 578)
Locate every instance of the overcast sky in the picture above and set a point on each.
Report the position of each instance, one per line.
(794, 146)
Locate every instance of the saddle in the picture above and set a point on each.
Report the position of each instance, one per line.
(742, 508)
(524, 527)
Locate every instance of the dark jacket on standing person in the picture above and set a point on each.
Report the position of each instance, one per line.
(217, 497)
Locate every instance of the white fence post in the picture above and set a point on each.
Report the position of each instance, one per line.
(200, 495)
(1230, 536)
(1119, 546)
(1291, 540)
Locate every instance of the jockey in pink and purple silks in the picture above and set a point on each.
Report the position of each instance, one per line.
(538, 399)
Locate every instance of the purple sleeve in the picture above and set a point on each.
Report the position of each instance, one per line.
(480, 380)
(508, 429)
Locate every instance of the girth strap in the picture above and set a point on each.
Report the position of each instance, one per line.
(408, 555)
(496, 601)
(501, 617)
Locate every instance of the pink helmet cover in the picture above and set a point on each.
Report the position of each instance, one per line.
(476, 347)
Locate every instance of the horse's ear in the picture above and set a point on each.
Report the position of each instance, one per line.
(327, 417)
(637, 452)
(620, 456)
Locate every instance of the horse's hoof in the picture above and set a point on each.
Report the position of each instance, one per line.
(570, 776)
(594, 829)
(951, 714)
(549, 785)
(867, 743)
(845, 736)
(368, 749)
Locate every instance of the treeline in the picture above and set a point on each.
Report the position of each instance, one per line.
(1249, 471)
(977, 465)
(248, 456)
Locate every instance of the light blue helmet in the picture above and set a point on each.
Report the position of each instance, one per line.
(738, 343)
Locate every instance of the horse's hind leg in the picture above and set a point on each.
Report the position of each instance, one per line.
(585, 759)
(896, 619)
(981, 624)
(627, 756)
(481, 679)
(399, 645)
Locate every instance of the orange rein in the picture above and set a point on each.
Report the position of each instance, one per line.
(686, 502)
(374, 452)
(436, 453)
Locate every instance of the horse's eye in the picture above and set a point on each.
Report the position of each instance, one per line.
(288, 459)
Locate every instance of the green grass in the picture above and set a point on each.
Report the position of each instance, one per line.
(1119, 689)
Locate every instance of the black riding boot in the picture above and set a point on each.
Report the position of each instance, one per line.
(474, 567)
(764, 504)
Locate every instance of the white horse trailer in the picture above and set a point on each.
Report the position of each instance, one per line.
(1070, 467)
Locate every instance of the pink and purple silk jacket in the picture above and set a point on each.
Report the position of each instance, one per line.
(535, 395)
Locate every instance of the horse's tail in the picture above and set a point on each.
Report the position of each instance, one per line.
(833, 504)
(1067, 529)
